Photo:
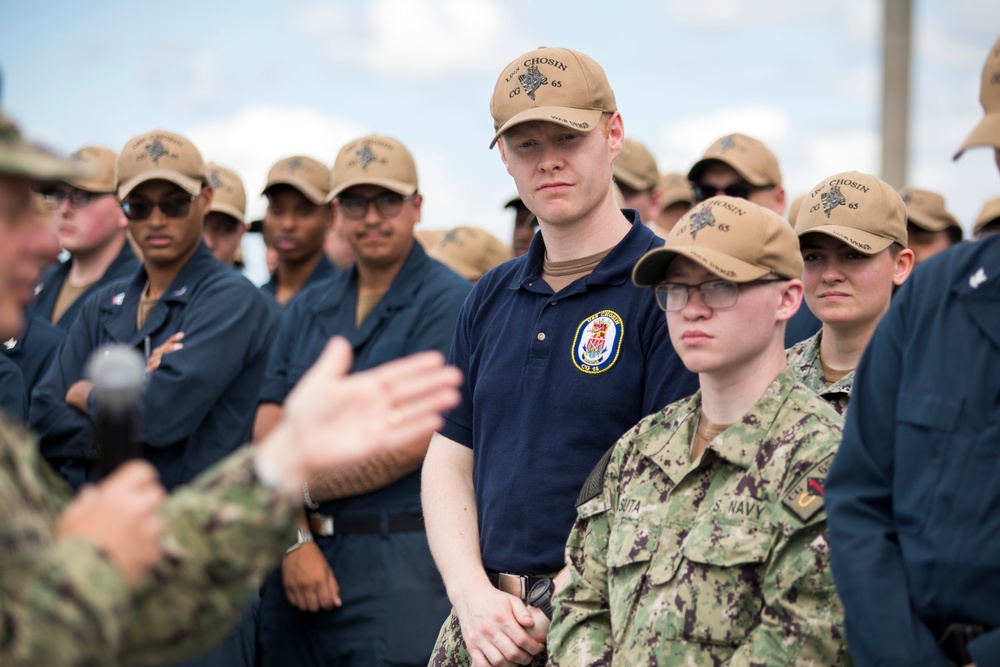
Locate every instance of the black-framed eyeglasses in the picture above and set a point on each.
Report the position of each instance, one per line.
(175, 207)
(715, 294)
(75, 198)
(740, 190)
(387, 204)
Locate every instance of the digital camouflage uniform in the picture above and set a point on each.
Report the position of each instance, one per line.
(720, 561)
(65, 603)
(803, 358)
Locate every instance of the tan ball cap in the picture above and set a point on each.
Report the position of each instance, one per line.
(230, 195)
(635, 167)
(989, 213)
(27, 160)
(159, 155)
(733, 238)
(553, 85)
(308, 176)
(749, 157)
(674, 189)
(101, 163)
(987, 132)
(926, 210)
(469, 251)
(374, 160)
(858, 209)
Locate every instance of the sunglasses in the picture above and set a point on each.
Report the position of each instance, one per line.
(176, 207)
(740, 190)
(75, 198)
(387, 204)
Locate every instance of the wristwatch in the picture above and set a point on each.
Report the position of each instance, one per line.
(540, 596)
(303, 537)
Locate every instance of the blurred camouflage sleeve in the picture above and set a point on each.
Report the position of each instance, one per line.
(61, 603)
(801, 622)
(580, 632)
(225, 531)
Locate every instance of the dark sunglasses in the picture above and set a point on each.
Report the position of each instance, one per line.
(176, 207)
(387, 204)
(741, 190)
(75, 198)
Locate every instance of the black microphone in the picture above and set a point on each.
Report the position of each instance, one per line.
(118, 373)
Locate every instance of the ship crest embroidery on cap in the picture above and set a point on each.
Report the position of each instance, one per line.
(701, 220)
(832, 198)
(532, 80)
(727, 143)
(155, 150)
(214, 180)
(294, 164)
(365, 156)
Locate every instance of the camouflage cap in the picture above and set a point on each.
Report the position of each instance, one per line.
(554, 85)
(733, 238)
(230, 195)
(675, 189)
(101, 162)
(159, 155)
(469, 251)
(749, 157)
(989, 213)
(987, 131)
(926, 210)
(858, 209)
(308, 176)
(635, 167)
(24, 159)
(374, 160)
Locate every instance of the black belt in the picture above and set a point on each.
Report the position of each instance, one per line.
(322, 525)
(954, 641)
(517, 585)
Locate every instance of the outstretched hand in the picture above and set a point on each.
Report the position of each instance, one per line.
(333, 419)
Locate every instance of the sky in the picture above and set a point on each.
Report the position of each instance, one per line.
(253, 82)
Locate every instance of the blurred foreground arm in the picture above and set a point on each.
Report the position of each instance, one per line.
(231, 525)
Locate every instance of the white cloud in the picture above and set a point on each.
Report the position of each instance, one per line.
(410, 37)
(257, 137)
(682, 142)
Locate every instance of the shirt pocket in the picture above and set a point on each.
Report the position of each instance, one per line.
(714, 586)
(631, 546)
(925, 423)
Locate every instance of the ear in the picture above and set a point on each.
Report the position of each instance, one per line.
(418, 201)
(904, 264)
(616, 134)
(207, 195)
(780, 201)
(791, 299)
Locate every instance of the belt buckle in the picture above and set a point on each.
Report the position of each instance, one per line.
(514, 584)
(325, 528)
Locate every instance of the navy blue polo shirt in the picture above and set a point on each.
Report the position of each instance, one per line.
(324, 269)
(552, 382)
(913, 492)
(417, 313)
(124, 266)
(34, 350)
(199, 404)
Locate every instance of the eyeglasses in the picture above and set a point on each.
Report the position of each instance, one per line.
(715, 294)
(387, 204)
(176, 207)
(76, 198)
(740, 190)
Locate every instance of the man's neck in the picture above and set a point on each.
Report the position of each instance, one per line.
(88, 267)
(603, 228)
(160, 277)
(377, 279)
(728, 395)
(293, 276)
(841, 347)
